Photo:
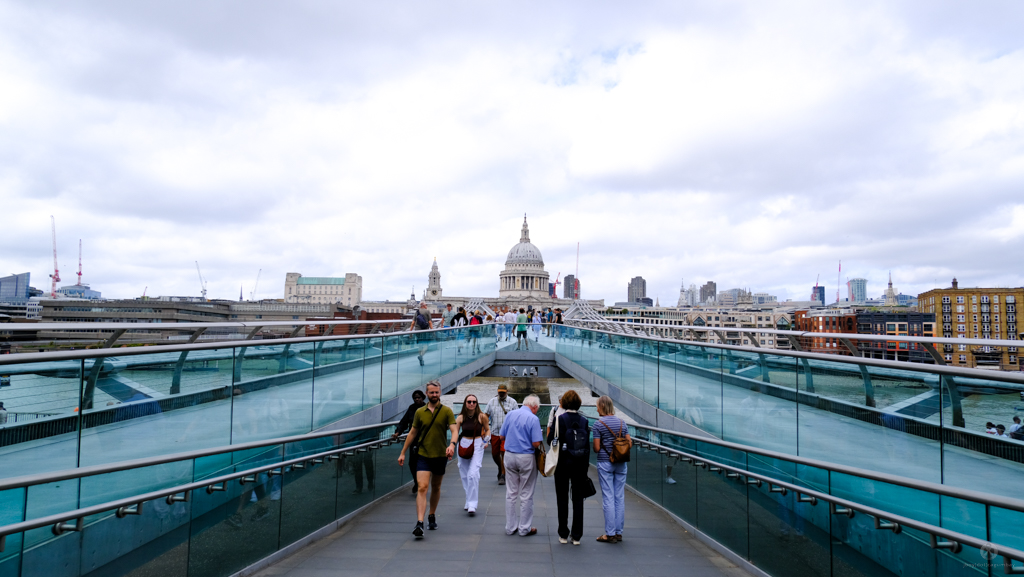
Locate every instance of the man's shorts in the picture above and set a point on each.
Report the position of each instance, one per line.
(521, 334)
(435, 465)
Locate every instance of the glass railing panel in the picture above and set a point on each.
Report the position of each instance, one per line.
(698, 390)
(785, 540)
(418, 362)
(116, 485)
(308, 496)
(49, 499)
(355, 481)
(343, 379)
(51, 556)
(722, 509)
(12, 510)
(630, 355)
(758, 410)
(374, 371)
(909, 502)
(1003, 527)
(272, 399)
(971, 518)
(42, 413)
(233, 528)
(388, 476)
(647, 473)
(139, 421)
(887, 440)
(679, 495)
(152, 542)
(972, 457)
(391, 348)
(667, 393)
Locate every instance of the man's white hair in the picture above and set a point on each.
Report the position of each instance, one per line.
(532, 401)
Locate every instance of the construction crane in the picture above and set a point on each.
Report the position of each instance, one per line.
(814, 292)
(554, 286)
(144, 291)
(252, 295)
(55, 277)
(202, 281)
(79, 283)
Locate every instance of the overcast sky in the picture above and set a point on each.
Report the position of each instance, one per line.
(754, 144)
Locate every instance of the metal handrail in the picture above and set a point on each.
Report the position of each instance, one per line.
(945, 490)
(839, 506)
(19, 358)
(1002, 376)
(854, 336)
(42, 478)
(193, 325)
(57, 521)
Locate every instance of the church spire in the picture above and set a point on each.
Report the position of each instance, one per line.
(525, 237)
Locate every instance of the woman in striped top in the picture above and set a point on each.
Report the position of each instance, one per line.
(611, 475)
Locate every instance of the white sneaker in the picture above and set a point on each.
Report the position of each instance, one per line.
(575, 542)
(562, 540)
(670, 481)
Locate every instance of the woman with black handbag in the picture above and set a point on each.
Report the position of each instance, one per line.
(571, 432)
(474, 432)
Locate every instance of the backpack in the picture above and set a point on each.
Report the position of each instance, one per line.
(421, 321)
(475, 320)
(619, 451)
(575, 443)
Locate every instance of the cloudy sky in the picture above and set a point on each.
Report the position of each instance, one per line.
(756, 144)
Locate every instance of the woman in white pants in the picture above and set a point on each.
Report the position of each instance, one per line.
(474, 433)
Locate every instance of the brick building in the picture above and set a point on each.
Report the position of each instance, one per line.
(976, 313)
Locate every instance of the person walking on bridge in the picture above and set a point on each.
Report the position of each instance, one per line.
(433, 453)
(418, 400)
(475, 429)
(521, 323)
(421, 322)
(523, 437)
(497, 408)
(611, 474)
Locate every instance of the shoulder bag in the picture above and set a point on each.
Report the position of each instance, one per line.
(548, 464)
(467, 452)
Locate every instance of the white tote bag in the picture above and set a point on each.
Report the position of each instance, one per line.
(551, 461)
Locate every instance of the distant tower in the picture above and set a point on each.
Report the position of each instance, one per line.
(433, 283)
(890, 294)
(636, 289)
(682, 294)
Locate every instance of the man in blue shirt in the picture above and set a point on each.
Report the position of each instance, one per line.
(522, 434)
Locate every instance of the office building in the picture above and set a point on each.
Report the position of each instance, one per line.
(858, 290)
(976, 313)
(896, 324)
(818, 294)
(346, 291)
(14, 289)
(570, 287)
(708, 292)
(636, 289)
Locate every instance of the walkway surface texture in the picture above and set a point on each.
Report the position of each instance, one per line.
(380, 541)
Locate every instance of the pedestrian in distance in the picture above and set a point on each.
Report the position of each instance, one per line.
(474, 430)
(499, 406)
(447, 315)
(474, 332)
(611, 474)
(572, 433)
(459, 321)
(433, 452)
(523, 437)
(418, 400)
(421, 323)
(521, 324)
(510, 323)
(536, 326)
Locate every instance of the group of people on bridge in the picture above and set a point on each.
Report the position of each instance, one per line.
(513, 433)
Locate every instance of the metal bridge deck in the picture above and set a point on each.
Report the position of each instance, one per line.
(379, 543)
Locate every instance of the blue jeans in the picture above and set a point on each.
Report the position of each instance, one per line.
(613, 495)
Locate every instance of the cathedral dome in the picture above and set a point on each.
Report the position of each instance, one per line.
(524, 253)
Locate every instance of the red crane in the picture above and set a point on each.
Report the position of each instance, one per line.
(79, 283)
(56, 271)
(554, 286)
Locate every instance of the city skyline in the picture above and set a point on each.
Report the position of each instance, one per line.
(755, 146)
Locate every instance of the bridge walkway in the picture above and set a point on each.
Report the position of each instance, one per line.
(380, 543)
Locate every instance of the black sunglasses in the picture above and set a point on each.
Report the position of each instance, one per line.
(470, 402)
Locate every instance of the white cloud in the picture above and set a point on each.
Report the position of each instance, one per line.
(749, 144)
